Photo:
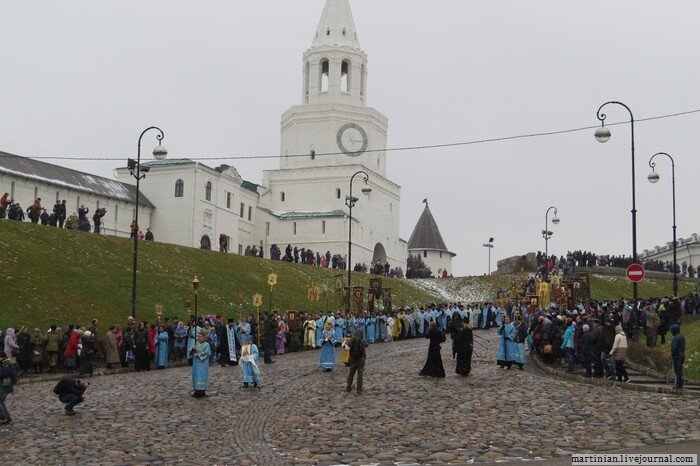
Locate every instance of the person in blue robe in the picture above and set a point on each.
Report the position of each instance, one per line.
(485, 316)
(249, 360)
(327, 344)
(506, 345)
(320, 326)
(161, 348)
(352, 325)
(371, 328)
(442, 321)
(339, 328)
(418, 319)
(360, 324)
(381, 327)
(200, 353)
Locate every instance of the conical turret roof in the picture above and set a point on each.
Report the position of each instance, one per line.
(337, 27)
(426, 234)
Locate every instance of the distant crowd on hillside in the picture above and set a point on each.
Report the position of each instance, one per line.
(589, 259)
(58, 217)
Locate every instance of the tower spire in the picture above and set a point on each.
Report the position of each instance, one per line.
(337, 27)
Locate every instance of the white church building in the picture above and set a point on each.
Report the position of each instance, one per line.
(331, 135)
(328, 138)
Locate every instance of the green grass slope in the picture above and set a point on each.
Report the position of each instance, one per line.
(57, 276)
(607, 287)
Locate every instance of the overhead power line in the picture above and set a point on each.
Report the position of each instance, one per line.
(398, 149)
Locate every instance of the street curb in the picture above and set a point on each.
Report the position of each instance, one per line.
(606, 383)
(96, 373)
(656, 374)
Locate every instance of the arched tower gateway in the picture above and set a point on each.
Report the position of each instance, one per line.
(330, 136)
(426, 242)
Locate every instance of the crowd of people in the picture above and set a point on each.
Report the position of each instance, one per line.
(593, 335)
(58, 217)
(306, 256)
(566, 264)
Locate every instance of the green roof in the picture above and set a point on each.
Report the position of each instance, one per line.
(301, 214)
(167, 162)
(249, 186)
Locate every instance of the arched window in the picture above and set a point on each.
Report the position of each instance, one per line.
(307, 70)
(282, 196)
(36, 192)
(325, 70)
(362, 80)
(12, 190)
(179, 188)
(337, 193)
(328, 31)
(58, 195)
(207, 191)
(313, 154)
(345, 76)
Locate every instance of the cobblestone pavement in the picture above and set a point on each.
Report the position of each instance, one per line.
(303, 416)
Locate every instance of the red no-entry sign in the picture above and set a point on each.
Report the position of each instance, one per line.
(636, 273)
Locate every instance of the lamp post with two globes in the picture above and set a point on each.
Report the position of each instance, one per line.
(139, 173)
(603, 135)
(546, 233)
(350, 202)
(654, 178)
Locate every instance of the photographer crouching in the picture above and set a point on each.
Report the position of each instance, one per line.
(97, 219)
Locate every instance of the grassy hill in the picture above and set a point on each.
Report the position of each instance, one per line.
(606, 287)
(57, 276)
(50, 275)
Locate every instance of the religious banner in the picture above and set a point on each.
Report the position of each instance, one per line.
(159, 309)
(375, 285)
(386, 295)
(358, 295)
(292, 319)
(370, 300)
(543, 295)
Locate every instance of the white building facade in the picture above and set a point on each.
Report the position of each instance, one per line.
(26, 180)
(687, 250)
(331, 136)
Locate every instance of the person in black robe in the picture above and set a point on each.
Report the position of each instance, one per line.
(225, 354)
(433, 366)
(464, 342)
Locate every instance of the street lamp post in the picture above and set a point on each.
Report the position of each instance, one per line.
(350, 202)
(546, 233)
(139, 173)
(654, 178)
(603, 135)
(490, 246)
(195, 287)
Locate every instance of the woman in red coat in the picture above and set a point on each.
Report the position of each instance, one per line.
(152, 341)
(71, 351)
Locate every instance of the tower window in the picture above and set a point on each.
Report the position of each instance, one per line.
(425, 253)
(282, 196)
(345, 31)
(345, 76)
(328, 31)
(179, 188)
(362, 80)
(306, 79)
(242, 212)
(36, 192)
(337, 193)
(12, 190)
(58, 194)
(250, 213)
(325, 70)
(207, 191)
(313, 155)
(228, 200)
(294, 226)
(323, 227)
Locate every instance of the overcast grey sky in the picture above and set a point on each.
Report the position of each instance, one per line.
(84, 78)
